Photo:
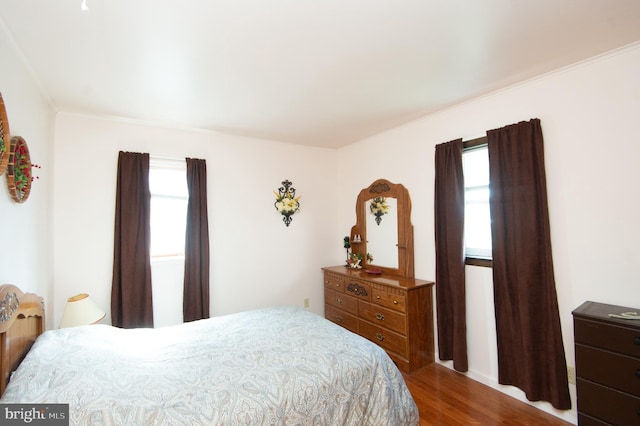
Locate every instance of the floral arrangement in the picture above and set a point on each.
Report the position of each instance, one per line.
(3, 148)
(355, 260)
(287, 203)
(379, 208)
(23, 174)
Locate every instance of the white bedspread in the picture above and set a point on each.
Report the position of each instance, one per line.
(273, 366)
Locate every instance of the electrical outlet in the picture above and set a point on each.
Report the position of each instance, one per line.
(571, 373)
(306, 303)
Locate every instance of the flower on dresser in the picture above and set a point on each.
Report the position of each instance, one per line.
(355, 260)
(378, 208)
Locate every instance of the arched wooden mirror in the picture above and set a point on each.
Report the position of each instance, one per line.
(383, 222)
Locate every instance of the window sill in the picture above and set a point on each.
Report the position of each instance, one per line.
(167, 258)
(475, 261)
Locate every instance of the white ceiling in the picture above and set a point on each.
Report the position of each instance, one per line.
(313, 72)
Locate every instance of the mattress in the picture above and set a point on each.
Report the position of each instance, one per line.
(274, 366)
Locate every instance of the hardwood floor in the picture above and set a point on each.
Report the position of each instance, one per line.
(445, 397)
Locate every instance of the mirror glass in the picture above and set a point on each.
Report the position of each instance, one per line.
(382, 231)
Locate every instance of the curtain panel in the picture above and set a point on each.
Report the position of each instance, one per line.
(131, 300)
(196, 258)
(530, 349)
(449, 236)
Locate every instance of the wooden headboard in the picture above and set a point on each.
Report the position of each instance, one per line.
(21, 322)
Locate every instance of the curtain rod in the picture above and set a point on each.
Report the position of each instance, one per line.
(155, 157)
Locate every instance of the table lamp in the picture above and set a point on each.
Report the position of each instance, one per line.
(81, 310)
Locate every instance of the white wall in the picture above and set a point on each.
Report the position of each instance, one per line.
(25, 228)
(589, 114)
(256, 260)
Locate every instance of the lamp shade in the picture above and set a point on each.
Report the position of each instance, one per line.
(81, 310)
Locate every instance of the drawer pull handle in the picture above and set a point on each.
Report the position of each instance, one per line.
(380, 337)
(339, 301)
(379, 317)
(339, 318)
(636, 341)
(638, 374)
(337, 284)
(395, 302)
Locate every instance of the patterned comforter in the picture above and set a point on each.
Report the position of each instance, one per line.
(272, 366)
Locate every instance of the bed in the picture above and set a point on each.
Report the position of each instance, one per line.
(278, 365)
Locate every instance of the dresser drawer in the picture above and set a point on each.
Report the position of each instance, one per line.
(394, 312)
(383, 317)
(606, 404)
(611, 337)
(348, 321)
(609, 369)
(341, 301)
(387, 339)
(359, 289)
(334, 282)
(584, 420)
(391, 301)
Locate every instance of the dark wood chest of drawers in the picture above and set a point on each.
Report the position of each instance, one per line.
(607, 365)
(396, 313)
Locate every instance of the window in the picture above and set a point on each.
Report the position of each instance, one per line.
(169, 197)
(477, 217)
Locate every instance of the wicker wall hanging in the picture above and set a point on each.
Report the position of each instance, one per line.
(5, 137)
(19, 170)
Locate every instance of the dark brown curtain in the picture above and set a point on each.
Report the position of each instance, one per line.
(196, 258)
(131, 302)
(530, 349)
(449, 235)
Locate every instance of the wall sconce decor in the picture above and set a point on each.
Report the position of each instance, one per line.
(287, 203)
(378, 208)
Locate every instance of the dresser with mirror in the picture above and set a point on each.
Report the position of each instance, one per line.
(381, 299)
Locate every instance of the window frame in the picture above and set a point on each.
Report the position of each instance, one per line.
(168, 164)
(474, 260)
